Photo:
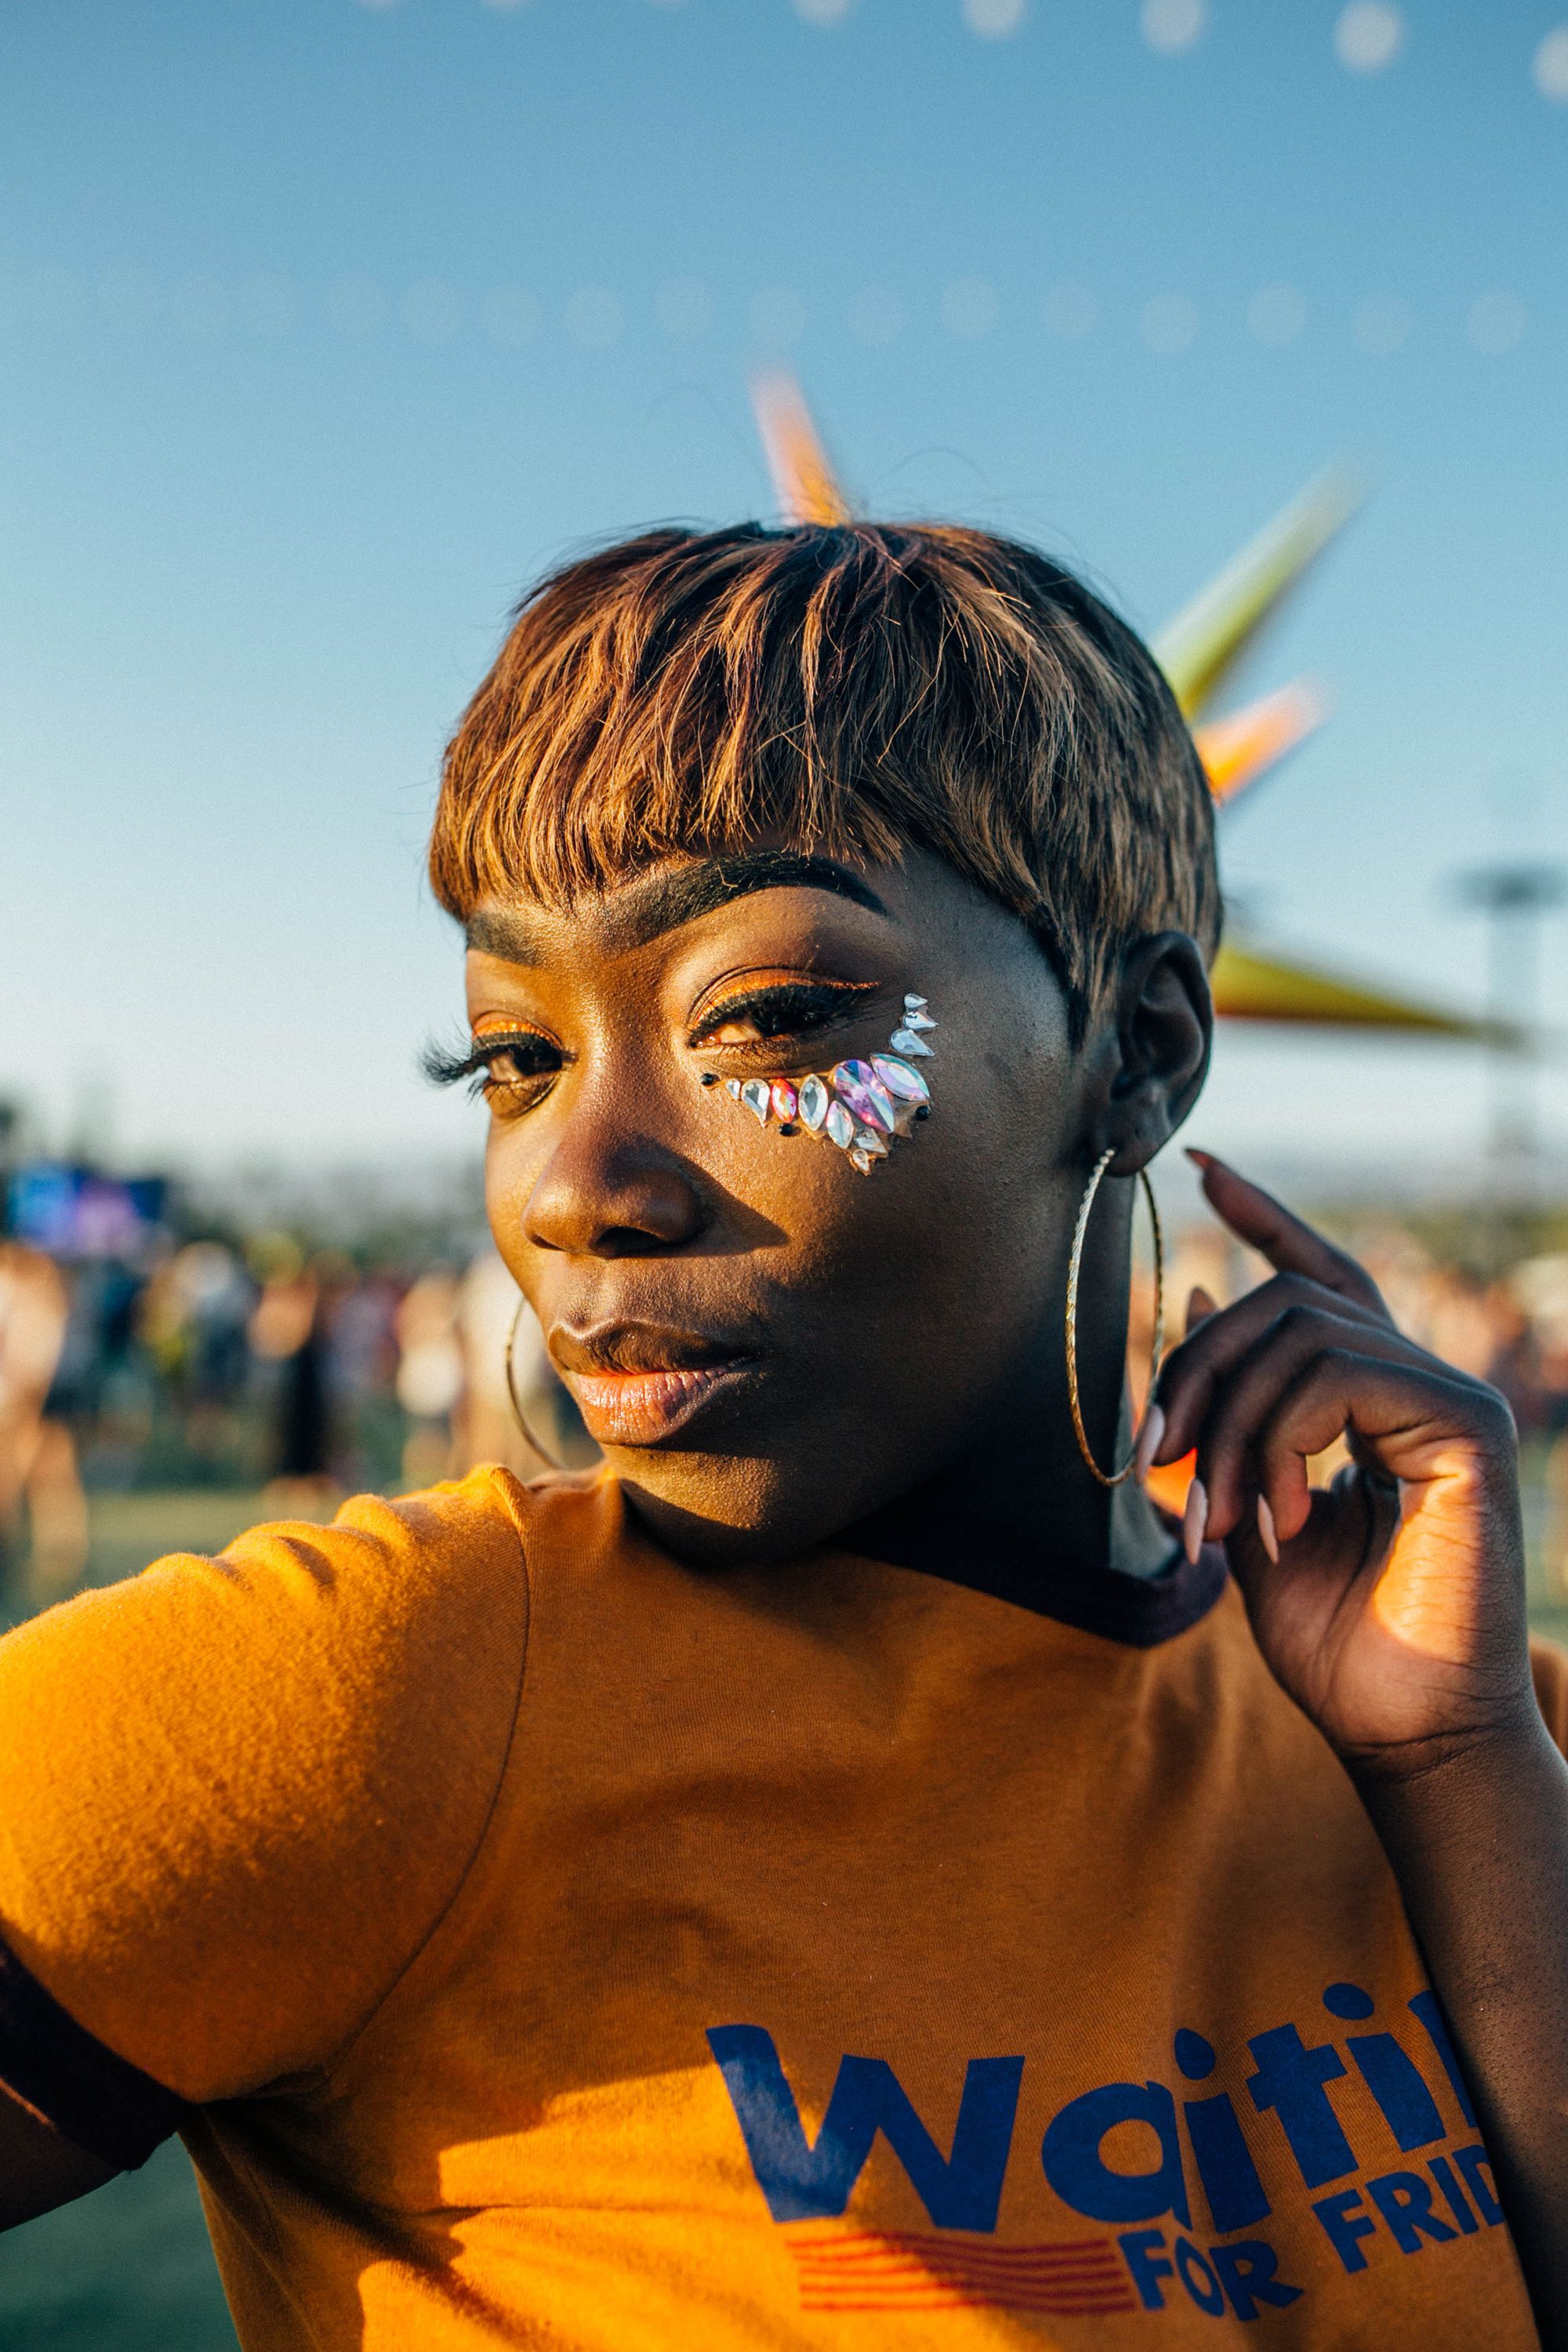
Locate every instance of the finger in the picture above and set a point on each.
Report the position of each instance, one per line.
(1191, 1372)
(1200, 1307)
(1247, 1397)
(1418, 1418)
(1290, 1246)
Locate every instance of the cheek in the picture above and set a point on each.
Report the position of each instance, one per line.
(510, 1171)
(964, 1194)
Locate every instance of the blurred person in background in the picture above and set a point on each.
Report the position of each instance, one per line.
(430, 1374)
(290, 1329)
(1540, 1287)
(362, 1365)
(39, 1484)
(193, 1321)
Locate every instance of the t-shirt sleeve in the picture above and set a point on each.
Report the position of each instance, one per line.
(236, 1795)
(1548, 1670)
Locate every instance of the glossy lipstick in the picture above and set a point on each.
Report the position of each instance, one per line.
(634, 1384)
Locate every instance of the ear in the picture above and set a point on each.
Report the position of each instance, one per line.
(1154, 1048)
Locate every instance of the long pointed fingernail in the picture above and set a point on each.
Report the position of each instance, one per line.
(1268, 1530)
(1149, 1438)
(1196, 1520)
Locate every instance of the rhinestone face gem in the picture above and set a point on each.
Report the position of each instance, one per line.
(902, 1083)
(857, 1084)
(861, 1107)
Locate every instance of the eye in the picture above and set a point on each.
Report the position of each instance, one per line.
(511, 1069)
(517, 1070)
(779, 1013)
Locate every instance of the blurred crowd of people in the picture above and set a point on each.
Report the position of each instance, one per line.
(305, 1375)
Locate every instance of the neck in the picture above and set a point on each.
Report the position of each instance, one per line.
(1029, 1489)
(1022, 1477)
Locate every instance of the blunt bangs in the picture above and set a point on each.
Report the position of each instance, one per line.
(852, 690)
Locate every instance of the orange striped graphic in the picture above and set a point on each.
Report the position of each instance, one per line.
(873, 2270)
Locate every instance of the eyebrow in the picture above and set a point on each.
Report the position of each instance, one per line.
(644, 910)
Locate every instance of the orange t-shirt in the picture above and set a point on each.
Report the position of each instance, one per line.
(538, 1941)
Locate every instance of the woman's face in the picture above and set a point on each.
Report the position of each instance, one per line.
(767, 1344)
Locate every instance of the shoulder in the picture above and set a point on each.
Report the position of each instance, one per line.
(421, 1574)
(310, 1726)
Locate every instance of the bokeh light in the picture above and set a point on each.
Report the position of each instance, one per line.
(1496, 322)
(593, 317)
(1383, 325)
(823, 12)
(1069, 310)
(1368, 35)
(1169, 323)
(1551, 66)
(1277, 313)
(995, 20)
(970, 308)
(1171, 26)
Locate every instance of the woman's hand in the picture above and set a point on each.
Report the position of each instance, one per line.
(1391, 1608)
(1391, 1604)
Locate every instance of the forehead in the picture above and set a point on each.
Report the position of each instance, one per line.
(647, 905)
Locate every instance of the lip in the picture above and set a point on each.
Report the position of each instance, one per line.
(636, 1383)
(641, 1407)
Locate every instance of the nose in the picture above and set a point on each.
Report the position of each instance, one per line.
(607, 1194)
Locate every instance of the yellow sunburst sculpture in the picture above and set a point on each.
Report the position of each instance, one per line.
(1197, 651)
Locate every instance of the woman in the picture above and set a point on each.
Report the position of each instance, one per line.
(847, 1871)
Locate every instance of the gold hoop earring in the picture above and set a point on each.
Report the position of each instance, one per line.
(543, 1451)
(1116, 1478)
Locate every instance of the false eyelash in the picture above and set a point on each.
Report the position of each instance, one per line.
(444, 1068)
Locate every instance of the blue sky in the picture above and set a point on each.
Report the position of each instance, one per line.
(324, 326)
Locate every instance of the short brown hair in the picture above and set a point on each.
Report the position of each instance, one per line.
(857, 689)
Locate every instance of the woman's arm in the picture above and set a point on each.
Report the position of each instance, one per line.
(1478, 1842)
(1391, 1607)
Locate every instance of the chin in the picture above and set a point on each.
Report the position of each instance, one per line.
(730, 1510)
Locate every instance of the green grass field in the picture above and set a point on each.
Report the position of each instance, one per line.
(129, 2269)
